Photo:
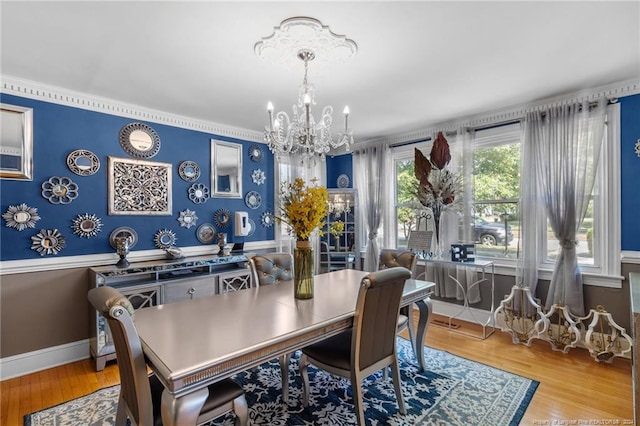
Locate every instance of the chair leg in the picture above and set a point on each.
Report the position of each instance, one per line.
(284, 372)
(303, 363)
(121, 414)
(397, 386)
(356, 388)
(241, 410)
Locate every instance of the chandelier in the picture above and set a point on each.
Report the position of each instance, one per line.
(301, 134)
(338, 206)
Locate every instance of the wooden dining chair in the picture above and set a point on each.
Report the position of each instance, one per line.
(140, 393)
(367, 347)
(391, 258)
(270, 269)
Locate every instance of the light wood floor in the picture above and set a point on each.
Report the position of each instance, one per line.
(574, 389)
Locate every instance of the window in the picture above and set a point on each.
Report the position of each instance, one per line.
(494, 204)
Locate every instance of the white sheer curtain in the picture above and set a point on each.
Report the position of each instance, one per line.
(563, 145)
(288, 169)
(371, 172)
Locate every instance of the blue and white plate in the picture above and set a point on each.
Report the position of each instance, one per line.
(343, 181)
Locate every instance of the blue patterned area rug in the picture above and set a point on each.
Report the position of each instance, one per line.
(455, 391)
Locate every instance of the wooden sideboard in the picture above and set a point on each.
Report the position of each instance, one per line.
(163, 281)
(634, 285)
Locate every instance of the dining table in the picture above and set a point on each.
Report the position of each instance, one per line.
(193, 343)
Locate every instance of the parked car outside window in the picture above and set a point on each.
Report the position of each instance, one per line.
(491, 233)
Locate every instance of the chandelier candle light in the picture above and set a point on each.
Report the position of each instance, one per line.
(301, 134)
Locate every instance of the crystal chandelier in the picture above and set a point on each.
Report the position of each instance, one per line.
(302, 134)
(339, 206)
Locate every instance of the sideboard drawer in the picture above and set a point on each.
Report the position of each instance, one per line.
(189, 288)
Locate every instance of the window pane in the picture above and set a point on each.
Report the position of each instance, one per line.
(405, 201)
(584, 237)
(496, 229)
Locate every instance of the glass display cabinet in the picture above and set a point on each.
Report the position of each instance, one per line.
(339, 246)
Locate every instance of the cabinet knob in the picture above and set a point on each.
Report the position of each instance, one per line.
(191, 291)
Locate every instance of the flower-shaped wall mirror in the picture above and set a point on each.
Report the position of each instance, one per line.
(21, 217)
(198, 193)
(258, 177)
(139, 140)
(59, 190)
(187, 218)
(83, 162)
(86, 225)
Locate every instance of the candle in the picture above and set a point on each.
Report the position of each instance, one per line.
(346, 119)
(270, 111)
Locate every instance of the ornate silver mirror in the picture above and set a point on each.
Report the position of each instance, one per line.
(164, 239)
(187, 218)
(222, 218)
(59, 190)
(206, 233)
(21, 217)
(48, 241)
(124, 232)
(86, 225)
(16, 127)
(189, 171)
(198, 193)
(267, 219)
(226, 169)
(83, 162)
(258, 177)
(139, 140)
(255, 153)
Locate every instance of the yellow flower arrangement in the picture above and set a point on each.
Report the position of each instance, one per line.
(337, 228)
(304, 208)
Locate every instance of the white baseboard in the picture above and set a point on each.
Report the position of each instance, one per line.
(31, 362)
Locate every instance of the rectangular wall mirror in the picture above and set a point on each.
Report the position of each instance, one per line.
(16, 143)
(226, 169)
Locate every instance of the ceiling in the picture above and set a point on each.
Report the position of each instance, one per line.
(418, 63)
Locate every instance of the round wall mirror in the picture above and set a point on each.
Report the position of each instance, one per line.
(139, 140)
(189, 171)
(124, 232)
(83, 162)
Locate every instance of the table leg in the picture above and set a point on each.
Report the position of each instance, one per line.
(184, 410)
(284, 371)
(425, 307)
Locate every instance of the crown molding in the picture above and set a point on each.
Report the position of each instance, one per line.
(57, 95)
(513, 113)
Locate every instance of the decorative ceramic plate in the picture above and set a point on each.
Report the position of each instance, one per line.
(222, 218)
(206, 233)
(252, 227)
(83, 162)
(123, 231)
(189, 171)
(48, 241)
(21, 217)
(253, 200)
(198, 193)
(86, 225)
(343, 181)
(255, 153)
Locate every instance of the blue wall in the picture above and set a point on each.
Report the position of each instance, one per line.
(338, 165)
(59, 130)
(630, 172)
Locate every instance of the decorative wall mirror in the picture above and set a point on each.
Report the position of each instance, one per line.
(139, 140)
(83, 162)
(189, 171)
(59, 190)
(16, 142)
(164, 238)
(48, 241)
(86, 225)
(21, 217)
(123, 232)
(226, 169)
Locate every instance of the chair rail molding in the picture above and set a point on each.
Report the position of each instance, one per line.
(87, 261)
(47, 93)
